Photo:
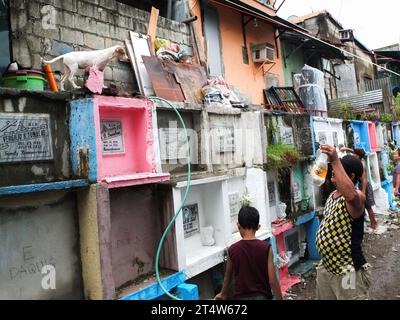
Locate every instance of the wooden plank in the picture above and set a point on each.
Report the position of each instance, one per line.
(152, 27)
(191, 79)
(164, 83)
(198, 48)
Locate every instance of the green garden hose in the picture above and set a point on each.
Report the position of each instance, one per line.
(154, 99)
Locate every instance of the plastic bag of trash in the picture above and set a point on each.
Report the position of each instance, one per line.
(230, 95)
(381, 201)
(312, 89)
(213, 96)
(166, 54)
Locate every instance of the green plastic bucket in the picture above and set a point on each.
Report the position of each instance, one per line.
(25, 79)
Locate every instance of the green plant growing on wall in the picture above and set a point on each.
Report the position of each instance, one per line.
(282, 155)
(370, 116)
(344, 112)
(386, 117)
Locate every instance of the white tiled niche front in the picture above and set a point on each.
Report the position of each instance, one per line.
(328, 131)
(207, 225)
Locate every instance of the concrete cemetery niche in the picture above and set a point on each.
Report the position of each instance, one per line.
(328, 131)
(285, 183)
(292, 244)
(206, 226)
(34, 143)
(290, 192)
(37, 230)
(112, 141)
(137, 223)
(205, 207)
(172, 141)
(291, 129)
(357, 135)
(225, 140)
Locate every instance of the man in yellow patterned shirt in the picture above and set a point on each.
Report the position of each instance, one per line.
(343, 273)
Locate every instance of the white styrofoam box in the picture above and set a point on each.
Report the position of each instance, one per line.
(328, 131)
(381, 201)
(373, 170)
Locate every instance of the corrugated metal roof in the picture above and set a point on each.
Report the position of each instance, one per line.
(358, 102)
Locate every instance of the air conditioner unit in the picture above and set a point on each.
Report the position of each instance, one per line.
(263, 52)
(346, 35)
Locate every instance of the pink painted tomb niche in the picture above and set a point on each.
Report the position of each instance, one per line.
(124, 138)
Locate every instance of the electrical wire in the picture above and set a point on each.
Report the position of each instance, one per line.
(171, 223)
(307, 34)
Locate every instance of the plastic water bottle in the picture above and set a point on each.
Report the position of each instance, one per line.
(320, 169)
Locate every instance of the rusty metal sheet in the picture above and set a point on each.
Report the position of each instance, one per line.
(164, 83)
(176, 81)
(191, 79)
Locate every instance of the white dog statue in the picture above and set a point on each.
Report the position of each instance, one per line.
(86, 59)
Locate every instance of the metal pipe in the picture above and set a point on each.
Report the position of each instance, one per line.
(280, 6)
(190, 20)
(169, 10)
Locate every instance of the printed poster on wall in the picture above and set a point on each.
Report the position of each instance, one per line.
(25, 137)
(112, 137)
(190, 220)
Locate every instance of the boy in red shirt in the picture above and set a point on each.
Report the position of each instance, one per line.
(251, 262)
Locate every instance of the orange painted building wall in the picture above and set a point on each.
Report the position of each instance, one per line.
(249, 78)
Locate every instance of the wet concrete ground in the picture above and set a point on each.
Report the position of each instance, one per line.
(383, 253)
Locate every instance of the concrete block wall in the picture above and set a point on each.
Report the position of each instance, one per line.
(49, 28)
